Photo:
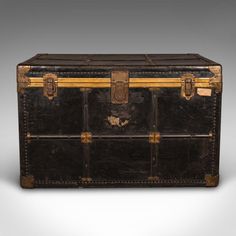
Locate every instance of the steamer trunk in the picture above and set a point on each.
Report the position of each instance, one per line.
(119, 120)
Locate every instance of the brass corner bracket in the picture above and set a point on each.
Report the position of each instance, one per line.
(22, 80)
(211, 180)
(153, 178)
(216, 80)
(154, 137)
(86, 179)
(28, 137)
(27, 181)
(50, 85)
(85, 90)
(187, 85)
(211, 136)
(86, 137)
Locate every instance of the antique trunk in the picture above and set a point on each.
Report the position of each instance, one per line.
(119, 120)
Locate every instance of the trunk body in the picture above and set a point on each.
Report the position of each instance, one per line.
(119, 120)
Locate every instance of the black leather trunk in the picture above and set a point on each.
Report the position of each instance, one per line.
(119, 120)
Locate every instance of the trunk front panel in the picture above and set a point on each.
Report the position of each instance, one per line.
(78, 136)
(119, 151)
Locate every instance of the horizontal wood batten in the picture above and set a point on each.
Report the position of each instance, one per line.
(119, 136)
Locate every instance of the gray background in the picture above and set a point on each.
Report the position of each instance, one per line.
(178, 26)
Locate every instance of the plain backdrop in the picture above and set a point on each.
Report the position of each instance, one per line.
(172, 26)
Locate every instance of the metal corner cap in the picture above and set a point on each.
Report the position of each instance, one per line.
(212, 180)
(27, 181)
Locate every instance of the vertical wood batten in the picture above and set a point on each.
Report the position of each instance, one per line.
(86, 146)
(154, 147)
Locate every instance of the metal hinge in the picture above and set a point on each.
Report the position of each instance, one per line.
(187, 85)
(119, 86)
(50, 85)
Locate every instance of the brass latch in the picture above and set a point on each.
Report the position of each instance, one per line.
(119, 86)
(187, 86)
(50, 85)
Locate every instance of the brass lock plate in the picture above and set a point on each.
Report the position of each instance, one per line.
(119, 86)
(50, 85)
(187, 85)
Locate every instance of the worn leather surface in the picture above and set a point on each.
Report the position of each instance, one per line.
(120, 160)
(178, 115)
(60, 159)
(118, 60)
(62, 115)
(136, 113)
(120, 153)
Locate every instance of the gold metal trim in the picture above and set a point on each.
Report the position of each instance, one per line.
(106, 82)
(50, 85)
(216, 81)
(27, 181)
(211, 180)
(154, 137)
(22, 80)
(86, 137)
(151, 83)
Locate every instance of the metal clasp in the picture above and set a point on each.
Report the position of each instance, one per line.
(50, 85)
(187, 86)
(119, 86)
